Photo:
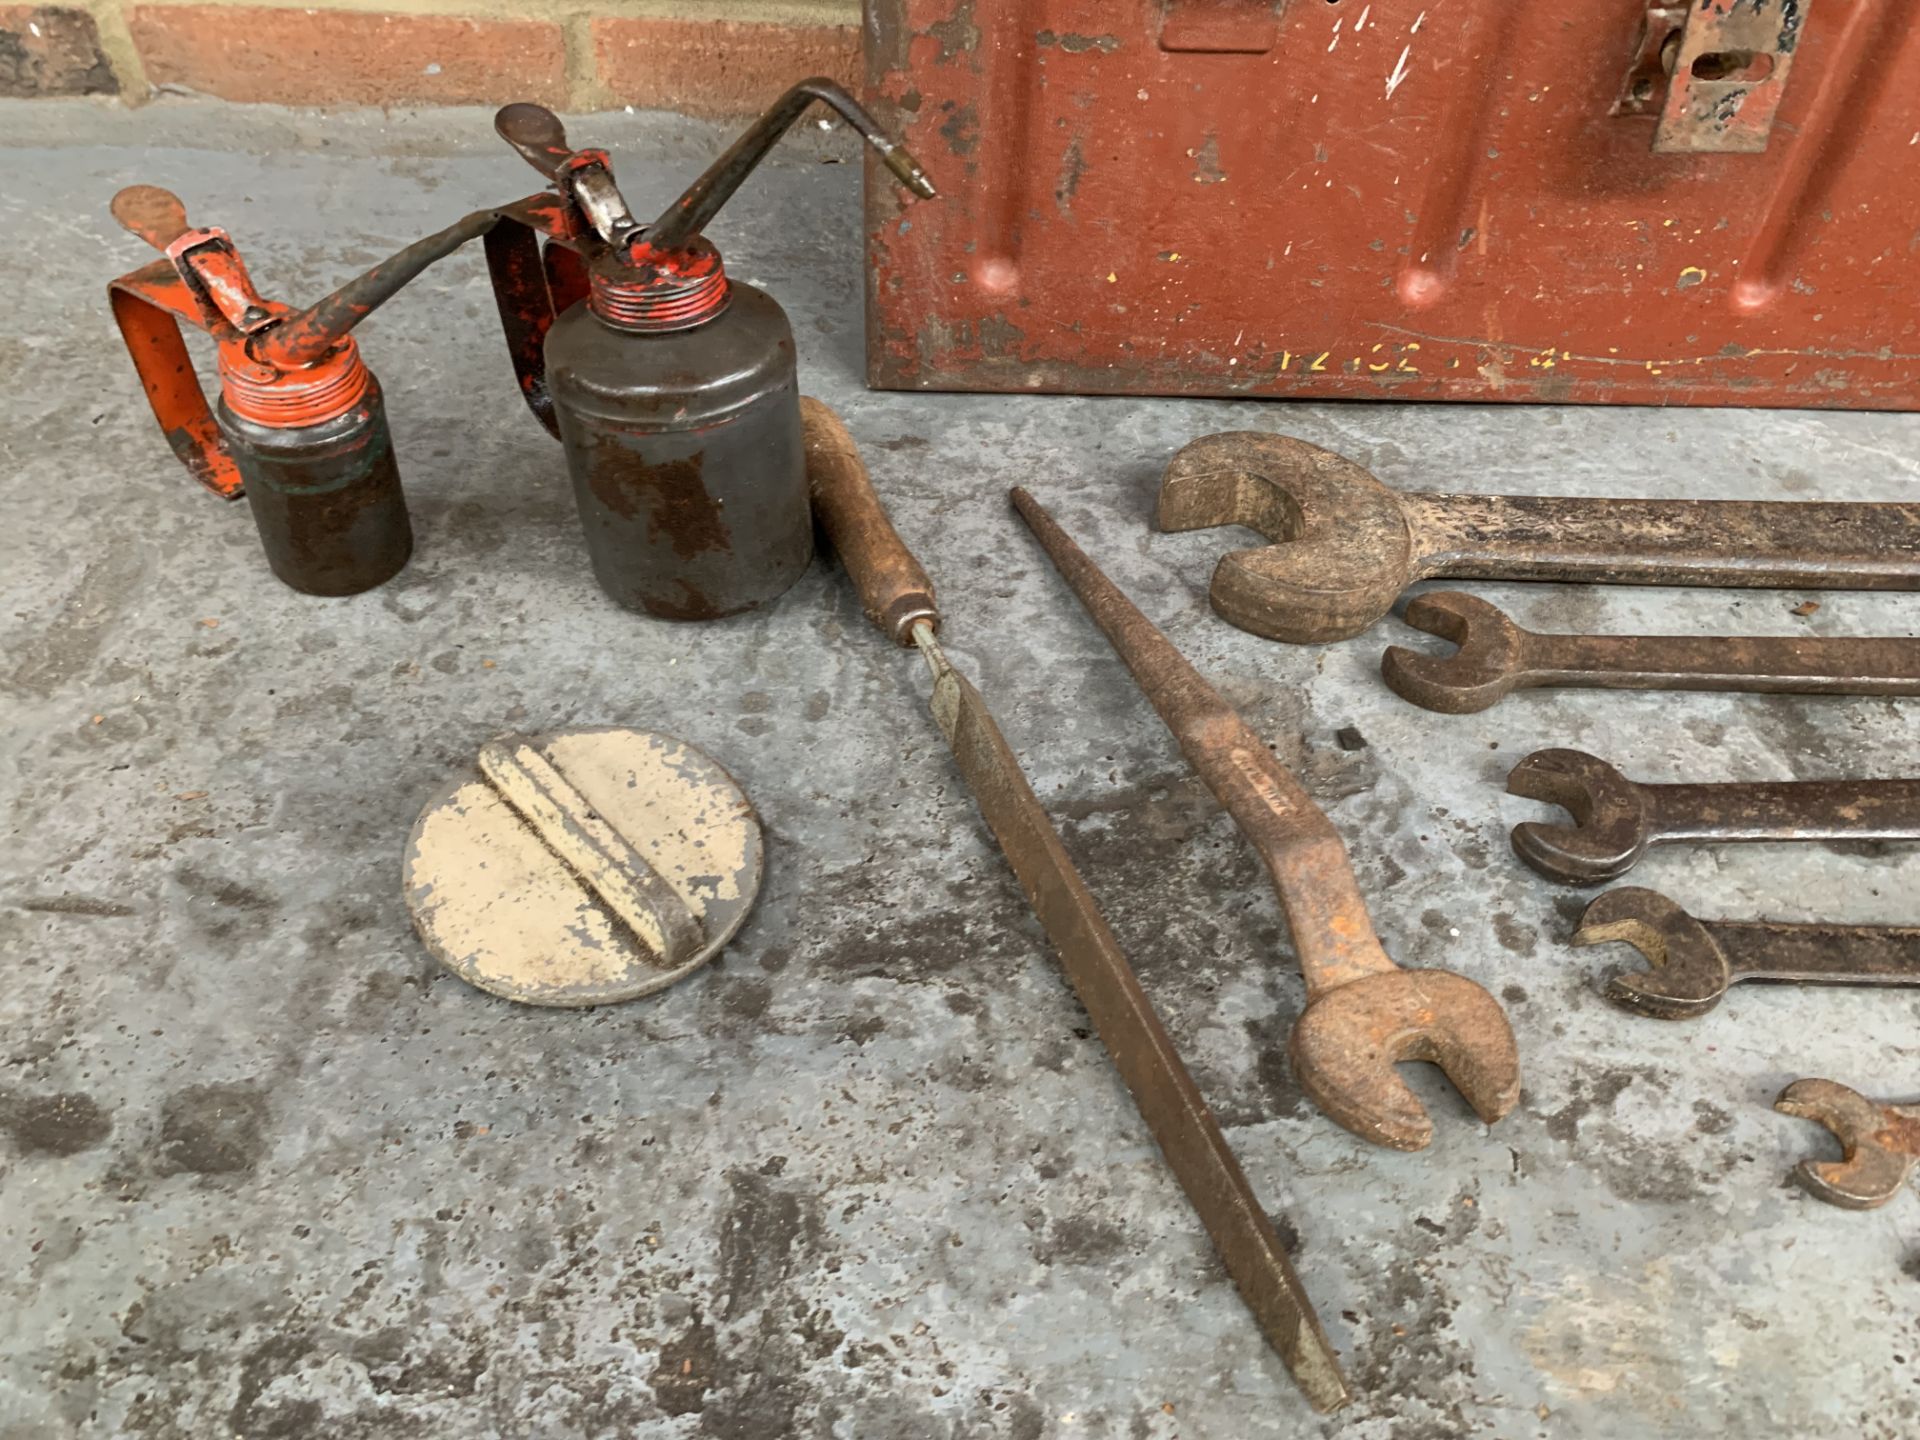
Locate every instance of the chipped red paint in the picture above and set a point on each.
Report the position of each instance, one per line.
(1392, 199)
(654, 291)
(1729, 71)
(291, 399)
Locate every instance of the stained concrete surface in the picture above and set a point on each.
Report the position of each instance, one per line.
(267, 1171)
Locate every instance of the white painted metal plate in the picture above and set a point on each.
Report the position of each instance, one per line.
(584, 867)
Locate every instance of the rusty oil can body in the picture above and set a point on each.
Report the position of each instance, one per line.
(326, 497)
(685, 455)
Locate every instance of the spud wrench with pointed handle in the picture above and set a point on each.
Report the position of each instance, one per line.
(898, 599)
(1363, 1012)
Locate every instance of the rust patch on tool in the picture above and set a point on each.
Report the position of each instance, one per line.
(1880, 1144)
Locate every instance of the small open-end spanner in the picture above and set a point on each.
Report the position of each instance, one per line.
(1880, 1143)
(1363, 1012)
(1616, 820)
(1496, 656)
(1694, 961)
(1343, 546)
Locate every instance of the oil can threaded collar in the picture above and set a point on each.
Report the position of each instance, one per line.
(638, 288)
(290, 399)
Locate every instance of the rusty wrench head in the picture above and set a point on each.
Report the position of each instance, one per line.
(1340, 550)
(1489, 662)
(1348, 1039)
(1610, 829)
(1880, 1144)
(1689, 973)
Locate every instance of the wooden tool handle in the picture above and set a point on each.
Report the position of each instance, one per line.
(894, 591)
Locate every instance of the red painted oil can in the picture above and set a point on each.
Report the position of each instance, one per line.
(1615, 201)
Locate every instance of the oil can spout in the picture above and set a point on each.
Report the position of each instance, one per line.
(303, 338)
(690, 214)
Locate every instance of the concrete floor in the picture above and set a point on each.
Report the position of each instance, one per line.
(267, 1171)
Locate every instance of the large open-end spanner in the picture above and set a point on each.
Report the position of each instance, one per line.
(1496, 656)
(1344, 546)
(1616, 820)
(1880, 1144)
(1363, 1012)
(1695, 961)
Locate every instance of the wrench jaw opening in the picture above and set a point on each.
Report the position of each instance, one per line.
(1340, 549)
(1869, 1174)
(1346, 1043)
(1475, 676)
(1610, 831)
(1689, 974)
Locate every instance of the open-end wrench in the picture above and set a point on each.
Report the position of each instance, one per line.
(1880, 1143)
(1344, 546)
(1363, 1012)
(1616, 820)
(1694, 961)
(1497, 656)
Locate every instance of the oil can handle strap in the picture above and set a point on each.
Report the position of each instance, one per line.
(159, 353)
(533, 282)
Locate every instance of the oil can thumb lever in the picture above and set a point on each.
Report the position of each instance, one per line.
(688, 215)
(583, 176)
(894, 591)
(157, 216)
(536, 132)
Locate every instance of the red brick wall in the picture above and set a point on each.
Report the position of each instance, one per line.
(721, 59)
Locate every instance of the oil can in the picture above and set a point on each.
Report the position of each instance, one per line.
(684, 451)
(300, 425)
(672, 387)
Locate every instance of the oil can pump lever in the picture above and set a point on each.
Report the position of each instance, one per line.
(536, 132)
(584, 175)
(157, 216)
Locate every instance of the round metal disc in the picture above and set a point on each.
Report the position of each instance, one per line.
(583, 867)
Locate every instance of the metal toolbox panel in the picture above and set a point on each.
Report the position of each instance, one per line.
(1415, 199)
